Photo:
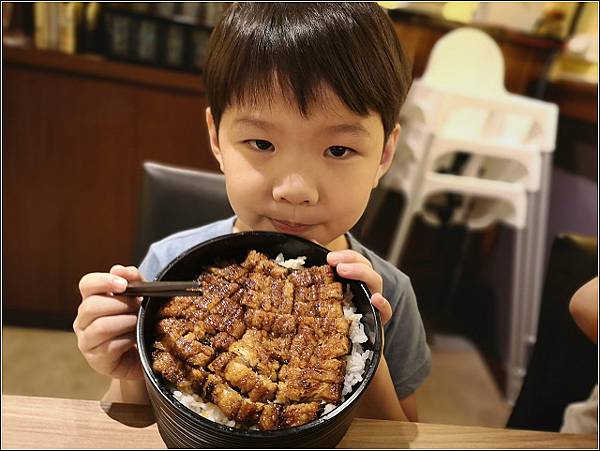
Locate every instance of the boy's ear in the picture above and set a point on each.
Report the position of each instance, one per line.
(389, 150)
(214, 137)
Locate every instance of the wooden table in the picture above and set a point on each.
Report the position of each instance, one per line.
(32, 422)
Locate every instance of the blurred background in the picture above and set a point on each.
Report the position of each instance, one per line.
(92, 90)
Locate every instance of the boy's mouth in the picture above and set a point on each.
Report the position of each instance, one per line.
(290, 227)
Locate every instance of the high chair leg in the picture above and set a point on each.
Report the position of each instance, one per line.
(514, 369)
(402, 231)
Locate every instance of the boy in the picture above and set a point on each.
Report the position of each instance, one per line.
(303, 120)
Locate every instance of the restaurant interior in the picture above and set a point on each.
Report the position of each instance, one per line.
(490, 205)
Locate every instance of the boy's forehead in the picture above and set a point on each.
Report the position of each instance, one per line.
(272, 105)
(326, 105)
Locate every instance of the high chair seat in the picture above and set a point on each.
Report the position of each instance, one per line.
(500, 113)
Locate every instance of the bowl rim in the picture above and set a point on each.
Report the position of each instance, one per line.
(248, 433)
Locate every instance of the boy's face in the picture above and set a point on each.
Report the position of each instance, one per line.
(308, 176)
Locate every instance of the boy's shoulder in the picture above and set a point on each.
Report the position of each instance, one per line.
(185, 239)
(164, 251)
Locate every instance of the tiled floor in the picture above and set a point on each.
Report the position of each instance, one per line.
(460, 389)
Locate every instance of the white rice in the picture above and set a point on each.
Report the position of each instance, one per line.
(206, 409)
(291, 263)
(355, 361)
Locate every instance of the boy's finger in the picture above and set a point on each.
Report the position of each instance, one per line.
(114, 348)
(130, 273)
(347, 256)
(117, 358)
(384, 307)
(105, 328)
(95, 306)
(101, 283)
(359, 271)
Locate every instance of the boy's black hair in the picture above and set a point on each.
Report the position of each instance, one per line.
(302, 47)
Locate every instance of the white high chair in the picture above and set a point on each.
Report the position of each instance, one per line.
(484, 177)
(461, 105)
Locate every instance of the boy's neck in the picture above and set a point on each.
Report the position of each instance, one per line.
(339, 244)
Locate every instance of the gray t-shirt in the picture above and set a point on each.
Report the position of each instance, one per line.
(406, 349)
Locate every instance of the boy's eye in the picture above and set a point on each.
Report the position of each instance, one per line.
(339, 152)
(260, 144)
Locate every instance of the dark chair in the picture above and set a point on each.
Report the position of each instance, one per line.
(174, 199)
(564, 364)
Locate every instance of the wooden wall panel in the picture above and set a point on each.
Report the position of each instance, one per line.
(55, 202)
(73, 144)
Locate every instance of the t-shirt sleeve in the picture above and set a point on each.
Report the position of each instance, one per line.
(406, 350)
(151, 264)
(162, 252)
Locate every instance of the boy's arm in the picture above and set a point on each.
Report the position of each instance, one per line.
(132, 392)
(380, 400)
(409, 405)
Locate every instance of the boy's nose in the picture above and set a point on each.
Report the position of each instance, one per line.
(296, 190)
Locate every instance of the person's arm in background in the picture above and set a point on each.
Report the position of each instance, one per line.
(584, 309)
(581, 417)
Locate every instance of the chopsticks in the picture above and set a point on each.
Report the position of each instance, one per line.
(162, 289)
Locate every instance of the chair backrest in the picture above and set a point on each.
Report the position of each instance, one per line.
(174, 199)
(564, 364)
(466, 60)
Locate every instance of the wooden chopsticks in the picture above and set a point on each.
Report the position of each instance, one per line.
(163, 289)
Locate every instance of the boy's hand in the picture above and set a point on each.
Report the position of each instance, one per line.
(105, 323)
(352, 265)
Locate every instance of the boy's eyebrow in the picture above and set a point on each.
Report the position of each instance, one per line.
(252, 122)
(351, 129)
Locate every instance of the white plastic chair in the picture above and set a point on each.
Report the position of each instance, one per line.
(461, 105)
(512, 163)
(491, 199)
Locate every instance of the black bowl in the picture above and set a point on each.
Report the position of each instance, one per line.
(180, 427)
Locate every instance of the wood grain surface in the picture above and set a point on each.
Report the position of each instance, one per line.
(76, 132)
(32, 422)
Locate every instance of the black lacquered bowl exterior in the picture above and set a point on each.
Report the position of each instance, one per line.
(180, 427)
(177, 432)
